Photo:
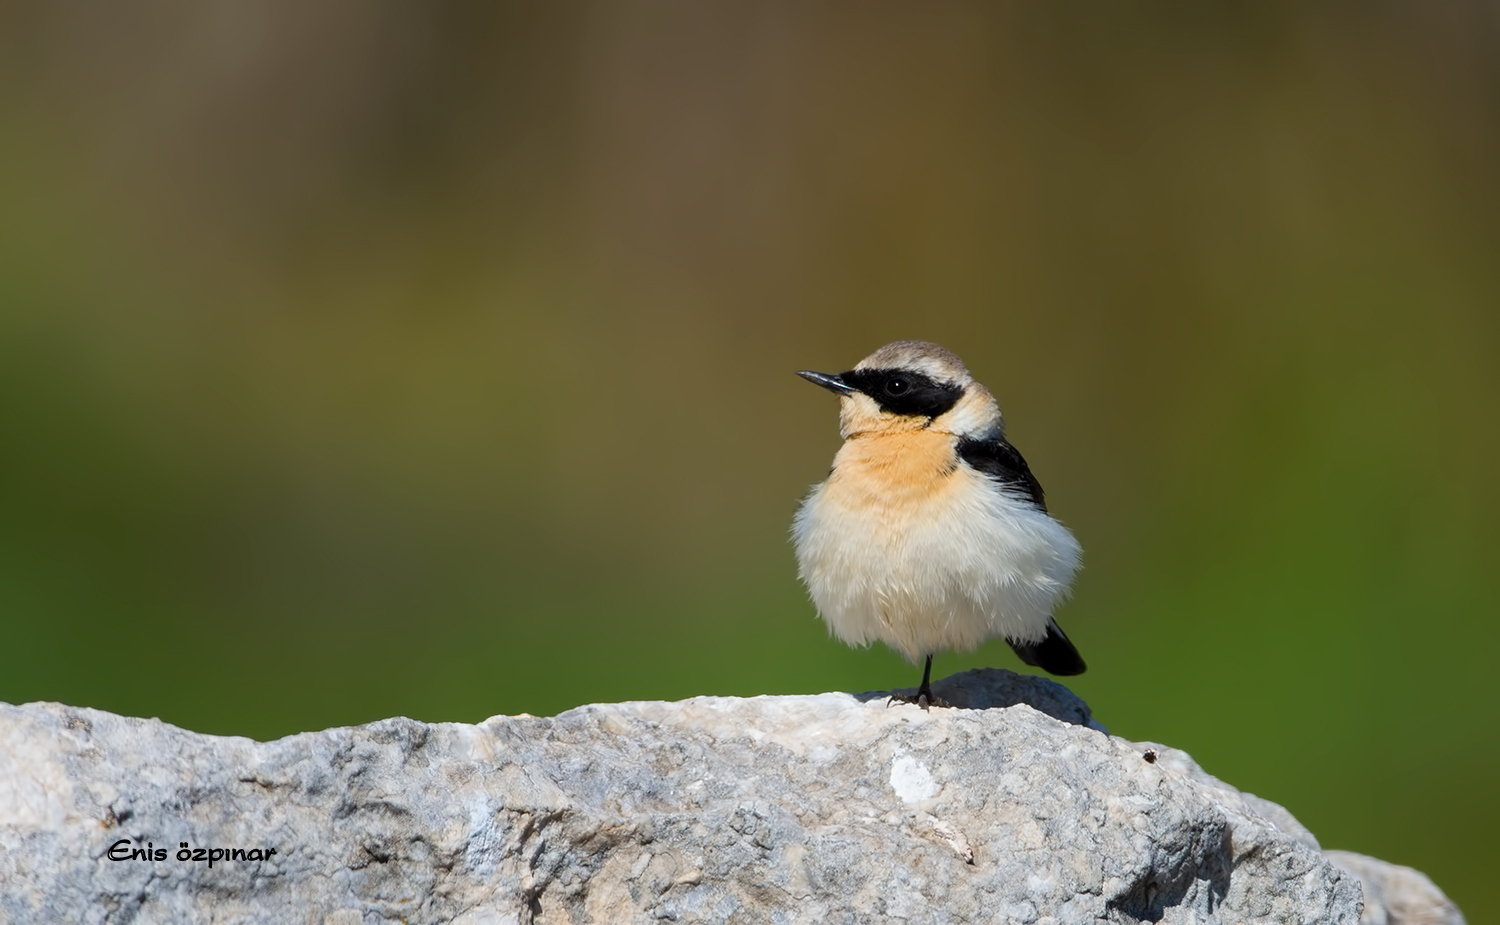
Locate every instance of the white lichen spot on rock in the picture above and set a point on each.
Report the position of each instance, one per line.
(911, 780)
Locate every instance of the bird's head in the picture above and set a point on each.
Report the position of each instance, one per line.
(911, 385)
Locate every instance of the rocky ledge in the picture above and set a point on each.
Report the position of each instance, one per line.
(1012, 806)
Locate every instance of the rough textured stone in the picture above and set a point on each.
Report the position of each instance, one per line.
(828, 808)
(1396, 895)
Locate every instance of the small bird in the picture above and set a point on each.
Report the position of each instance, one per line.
(930, 532)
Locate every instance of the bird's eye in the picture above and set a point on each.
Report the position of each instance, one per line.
(895, 385)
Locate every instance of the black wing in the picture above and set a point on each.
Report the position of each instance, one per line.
(997, 459)
(1003, 463)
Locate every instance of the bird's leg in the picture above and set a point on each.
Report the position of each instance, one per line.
(924, 697)
(924, 693)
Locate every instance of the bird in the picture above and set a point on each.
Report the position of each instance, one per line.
(931, 533)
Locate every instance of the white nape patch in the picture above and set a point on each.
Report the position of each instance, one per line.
(976, 416)
(911, 780)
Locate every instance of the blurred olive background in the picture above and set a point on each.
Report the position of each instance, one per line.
(362, 359)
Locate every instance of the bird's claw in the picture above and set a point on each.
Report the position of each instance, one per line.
(925, 699)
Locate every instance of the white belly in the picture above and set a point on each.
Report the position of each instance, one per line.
(944, 567)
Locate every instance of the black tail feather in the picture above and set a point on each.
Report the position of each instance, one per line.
(1054, 654)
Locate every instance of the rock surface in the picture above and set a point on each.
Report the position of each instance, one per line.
(1015, 806)
(1396, 895)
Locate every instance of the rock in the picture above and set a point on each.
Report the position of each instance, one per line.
(828, 808)
(1396, 895)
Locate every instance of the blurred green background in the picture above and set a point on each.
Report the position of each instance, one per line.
(361, 359)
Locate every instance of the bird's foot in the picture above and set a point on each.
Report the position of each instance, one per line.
(924, 698)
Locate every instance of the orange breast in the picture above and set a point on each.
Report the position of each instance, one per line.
(899, 473)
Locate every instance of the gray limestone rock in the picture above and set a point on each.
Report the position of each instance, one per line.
(1013, 806)
(1396, 895)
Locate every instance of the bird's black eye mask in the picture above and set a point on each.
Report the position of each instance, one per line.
(905, 391)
